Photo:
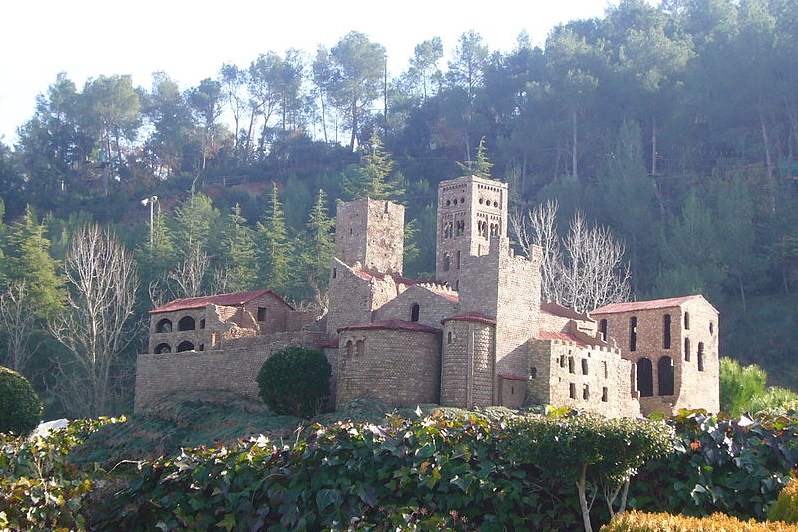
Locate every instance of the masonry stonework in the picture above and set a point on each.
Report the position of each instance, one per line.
(477, 336)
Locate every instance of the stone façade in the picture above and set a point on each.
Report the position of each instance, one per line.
(477, 337)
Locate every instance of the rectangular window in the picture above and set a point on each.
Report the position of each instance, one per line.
(604, 394)
(633, 333)
(572, 390)
(261, 313)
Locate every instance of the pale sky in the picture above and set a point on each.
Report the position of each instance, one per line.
(191, 40)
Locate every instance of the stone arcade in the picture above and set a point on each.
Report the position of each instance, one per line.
(478, 337)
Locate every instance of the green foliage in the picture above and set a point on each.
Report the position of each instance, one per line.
(20, 408)
(719, 464)
(238, 244)
(479, 167)
(786, 506)
(295, 381)
(743, 389)
(275, 247)
(40, 488)
(320, 245)
(373, 178)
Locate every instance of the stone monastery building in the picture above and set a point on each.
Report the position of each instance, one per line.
(478, 337)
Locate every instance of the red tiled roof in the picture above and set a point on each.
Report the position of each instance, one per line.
(512, 377)
(470, 316)
(566, 337)
(223, 300)
(400, 325)
(613, 308)
(330, 343)
(549, 307)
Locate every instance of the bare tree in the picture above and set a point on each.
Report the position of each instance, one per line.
(189, 274)
(585, 271)
(94, 328)
(17, 319)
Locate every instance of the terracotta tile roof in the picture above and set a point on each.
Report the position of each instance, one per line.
(224, 300)
(554, 309)
(330, 343)
(400, 325)
(471, 316)
(510, 377)
(565, 337)
(645, 305)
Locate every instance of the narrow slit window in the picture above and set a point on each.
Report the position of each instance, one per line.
(633, 333)
(603, 329)
(700, 356)
(666, 331)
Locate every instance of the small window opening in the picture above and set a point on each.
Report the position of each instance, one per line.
(687, 320)
(457, 262)
(202, 323)
(584, 366)
(186, 323)
(605, 394)
(261, 313)
(414, 312)
(449, 337)
(386, 207)
(603, 330)
(349, 348)
(633, 333)
(350, 230)
(164, 326)
(481, 201)
(711, 328)
(572, 390)
(185, 346)
(335, 273)
(606, 373)
(586, 392)
(512, 390)
(448, 202)
(202, 347)
(446, 262)
(687, 350)
(161, 349)
(700, 356)
(562, 361)
(457, 284)
(666, 331)
(571, 365)
(533, 372)
(462, 200)
(360, 347)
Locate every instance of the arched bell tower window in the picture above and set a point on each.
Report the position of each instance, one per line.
(414, 312)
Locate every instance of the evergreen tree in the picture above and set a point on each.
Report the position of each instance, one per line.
(27, 257)
(157, 256)
(195, 224)
(373, 177)
(320, 243)
(238, 246)
(276, 248)
(481, 166)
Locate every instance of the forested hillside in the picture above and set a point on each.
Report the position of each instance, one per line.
(676, 126)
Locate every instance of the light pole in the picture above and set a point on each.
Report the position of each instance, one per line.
(151, 201)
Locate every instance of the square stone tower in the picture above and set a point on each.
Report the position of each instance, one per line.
(371, 232)
(470, 211)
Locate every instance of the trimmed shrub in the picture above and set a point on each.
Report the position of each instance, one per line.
(295, 381)
(661, 522)
(20, 408)
(786, 506)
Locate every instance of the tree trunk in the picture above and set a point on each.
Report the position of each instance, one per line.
(581, 489)
(653, 146)
(769, 163)
(574, 152)
(354, 126)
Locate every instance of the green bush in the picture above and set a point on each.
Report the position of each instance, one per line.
(20, 408)
(663, 522)
(295, 381)
(786, 506)
(744, 389)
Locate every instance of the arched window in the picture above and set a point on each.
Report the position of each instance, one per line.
(665, 376)
(586, 392)
(645, 378)
(349, 348)
(164, 326)
(711, 328)
(446, 262)
(666, 331)
(633, 333)
(186, 323)
(687, 350)
(414, 312)
(360, 347)
(160, 349)
(603, 330)
(700, 356)
(449, 337)
(185, 346)
(687, 320)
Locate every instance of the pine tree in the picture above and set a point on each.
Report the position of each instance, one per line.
(157, 256)
(276, 249)
(195, 223)
(238, 245)
(372, 178)
(481, 167)
(27, 257)
(321, 242)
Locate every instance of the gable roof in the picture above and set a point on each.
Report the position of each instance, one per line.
(614, 308)
(233, 299)
(399, 325)
(554, 309)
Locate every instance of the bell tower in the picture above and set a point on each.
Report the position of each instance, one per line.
(470, 210)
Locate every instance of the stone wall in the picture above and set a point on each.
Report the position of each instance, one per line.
(433, 306)
(196, 336)
(467, 368)
(399, 367)
(349, 296)
(370, 232)
(234, 369)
